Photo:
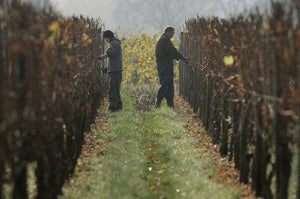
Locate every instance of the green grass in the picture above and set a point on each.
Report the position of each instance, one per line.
(294, 174)
(148, 155)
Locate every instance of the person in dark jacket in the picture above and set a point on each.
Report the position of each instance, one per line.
(114, 69)
(165, 53)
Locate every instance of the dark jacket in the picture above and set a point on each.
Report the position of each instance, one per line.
(165, 50)
(114, 52)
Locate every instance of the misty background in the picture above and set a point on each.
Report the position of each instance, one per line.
(152, 16)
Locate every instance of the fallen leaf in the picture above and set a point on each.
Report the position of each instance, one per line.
(228, 60)
(160, 172)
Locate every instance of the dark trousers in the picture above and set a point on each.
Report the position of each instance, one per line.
(115, 101)
(166, 74)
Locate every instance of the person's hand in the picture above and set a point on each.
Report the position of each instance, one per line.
(104, 70)
(101, 57)
(185, 59)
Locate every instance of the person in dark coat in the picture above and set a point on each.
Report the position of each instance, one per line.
(165, 53)
(114, 69)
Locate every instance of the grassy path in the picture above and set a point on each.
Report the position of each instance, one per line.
(137, 154)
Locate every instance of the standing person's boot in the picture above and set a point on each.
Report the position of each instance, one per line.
(120, 105)
(157, 103)
(170, 103)
(112, 107)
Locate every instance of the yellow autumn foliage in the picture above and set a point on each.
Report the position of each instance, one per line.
(228, 60)
(139, 63)
(55, 26)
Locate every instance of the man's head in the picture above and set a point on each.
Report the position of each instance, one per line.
(108, 35)
(169, 31)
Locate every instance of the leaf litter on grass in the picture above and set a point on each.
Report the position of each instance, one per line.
(153, 157)
(225, 172)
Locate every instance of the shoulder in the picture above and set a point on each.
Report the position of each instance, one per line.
(164, 39)
(114, 42)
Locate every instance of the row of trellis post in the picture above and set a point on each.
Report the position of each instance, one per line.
(51, 86)
(244, 82)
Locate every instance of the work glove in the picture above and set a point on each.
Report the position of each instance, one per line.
(185, 59)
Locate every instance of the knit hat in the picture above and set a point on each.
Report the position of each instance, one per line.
(108, 34)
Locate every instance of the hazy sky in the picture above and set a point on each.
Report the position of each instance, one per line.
(93, 8)
(105, 9)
